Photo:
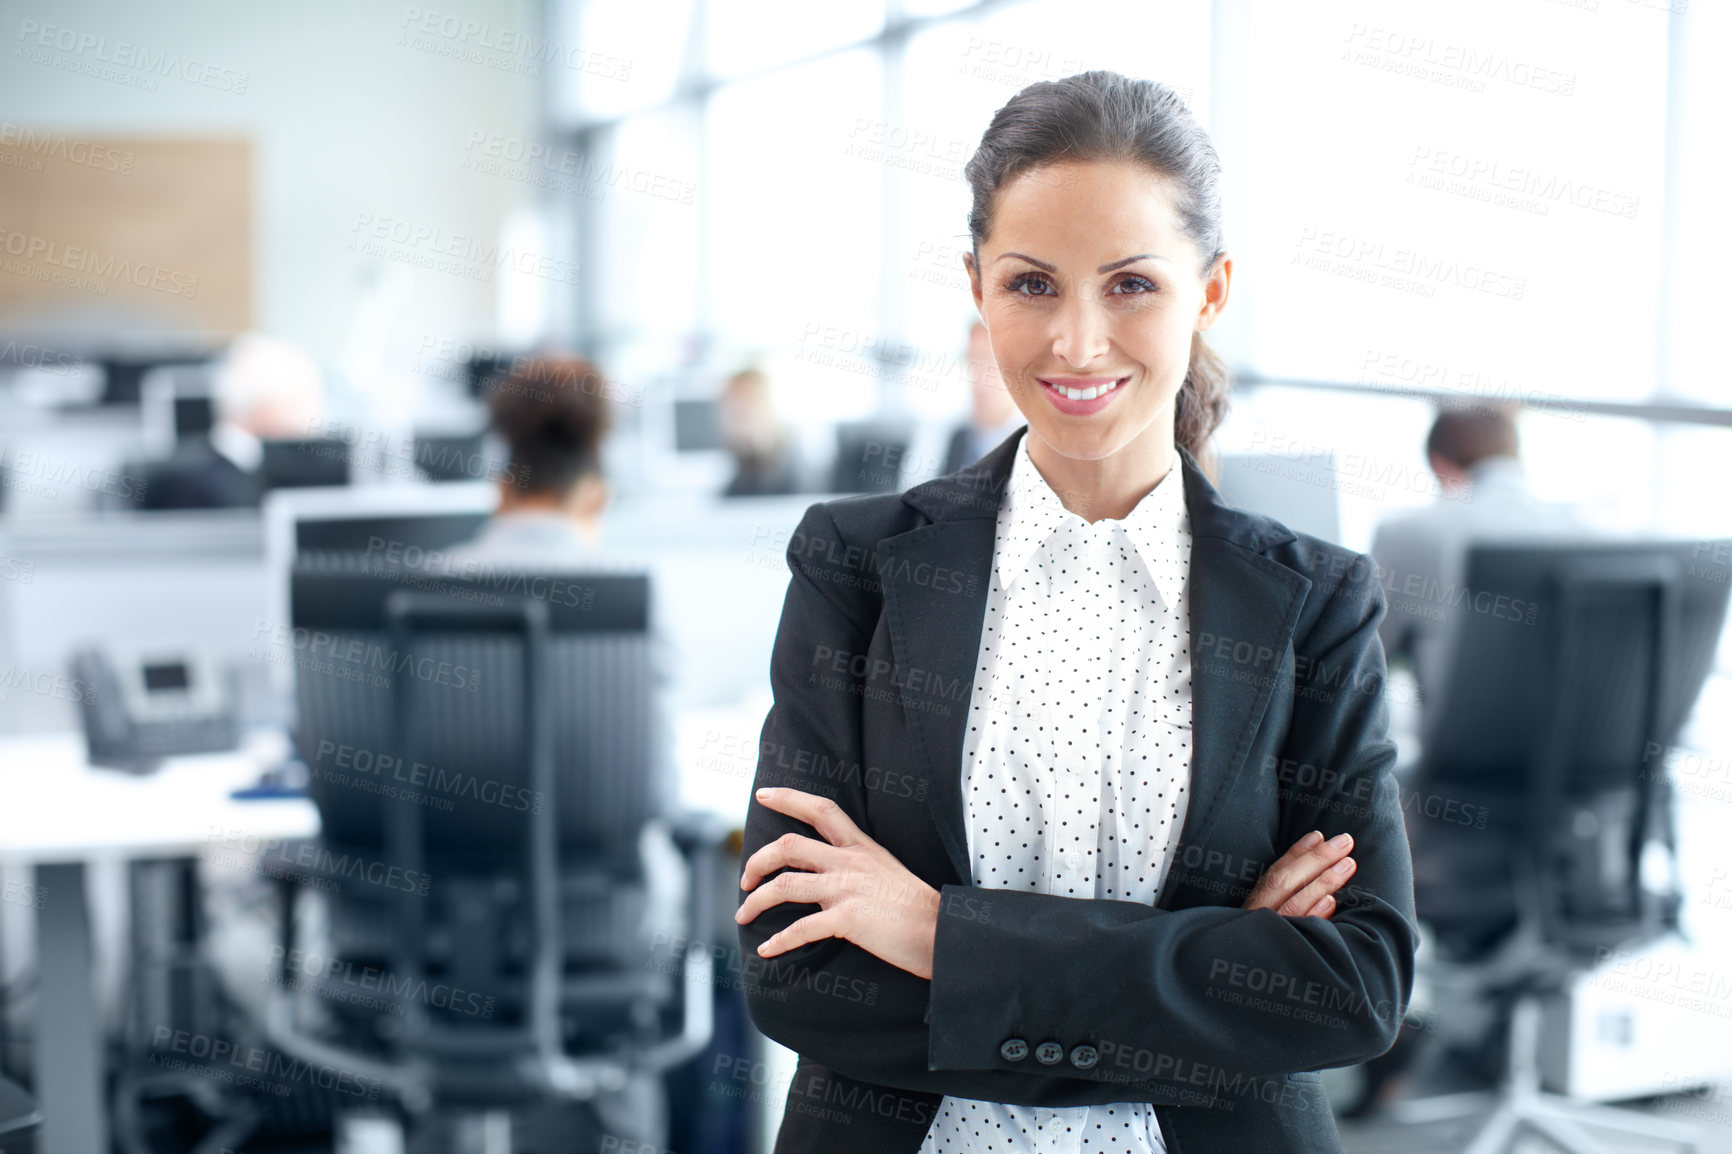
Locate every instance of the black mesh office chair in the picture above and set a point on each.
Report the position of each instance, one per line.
(505, 772)
(1574, 663)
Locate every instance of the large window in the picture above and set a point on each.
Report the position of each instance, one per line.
(1499, 199)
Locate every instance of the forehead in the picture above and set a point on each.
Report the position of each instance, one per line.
(1085, 208)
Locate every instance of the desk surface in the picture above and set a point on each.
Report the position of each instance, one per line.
(56, 807)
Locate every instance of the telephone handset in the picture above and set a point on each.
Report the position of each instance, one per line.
(140, 707)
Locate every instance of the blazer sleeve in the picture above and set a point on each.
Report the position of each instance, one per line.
(829, 1000)
(1216, 990)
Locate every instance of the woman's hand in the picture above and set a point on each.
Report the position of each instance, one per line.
(1301, 883)
(869, 897)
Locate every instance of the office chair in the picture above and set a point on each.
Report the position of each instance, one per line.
(532, 912)
(1578, 660)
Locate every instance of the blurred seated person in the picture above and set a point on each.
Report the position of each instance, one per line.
(992, 415)
(1422, 555)
(554, 416)
(264, 388)
(766, 460)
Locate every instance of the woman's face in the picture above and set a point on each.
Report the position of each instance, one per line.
(1086, 281)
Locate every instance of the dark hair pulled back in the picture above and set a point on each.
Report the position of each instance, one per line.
(1103, 116)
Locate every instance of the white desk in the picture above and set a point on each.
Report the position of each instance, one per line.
(56, 814)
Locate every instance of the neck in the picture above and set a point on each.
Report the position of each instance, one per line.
(515, 500)
(1109, 486)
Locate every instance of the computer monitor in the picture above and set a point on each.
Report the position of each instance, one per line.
(483, 368)
(425, 517)
(452, 457)
(1300, 494)
(467, 685)
(305, 463)
(870, 456)
(697, 426)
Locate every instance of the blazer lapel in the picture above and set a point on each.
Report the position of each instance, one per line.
(1242, 604)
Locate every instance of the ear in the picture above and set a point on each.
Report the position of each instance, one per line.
(1215, 289)
(974, 284)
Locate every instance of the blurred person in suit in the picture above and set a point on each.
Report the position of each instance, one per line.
(766, 460)
(992, 415)
(264, 388)
(1483, 496)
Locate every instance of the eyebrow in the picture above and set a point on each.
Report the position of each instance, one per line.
(1041, 264)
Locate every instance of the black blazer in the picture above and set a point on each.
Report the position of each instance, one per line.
(1217, 1015)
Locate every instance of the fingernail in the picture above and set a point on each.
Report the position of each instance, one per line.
(762, 793)
(1343, 865)
(1341, 841)
(1311, 839)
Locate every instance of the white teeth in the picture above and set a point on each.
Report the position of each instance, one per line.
(1088, 394)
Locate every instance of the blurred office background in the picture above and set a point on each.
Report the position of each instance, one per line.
(267, 274)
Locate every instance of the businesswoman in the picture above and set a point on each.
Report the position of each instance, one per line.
(1037, 857)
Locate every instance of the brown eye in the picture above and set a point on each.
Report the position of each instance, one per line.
(1029, 280)
(1135, 285)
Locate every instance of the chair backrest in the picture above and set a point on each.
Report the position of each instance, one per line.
(465, 688)
(1573, 662)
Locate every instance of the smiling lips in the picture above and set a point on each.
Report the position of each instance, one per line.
(1083, 388)
(1080, 396)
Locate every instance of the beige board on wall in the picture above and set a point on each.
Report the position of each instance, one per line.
(142, 233)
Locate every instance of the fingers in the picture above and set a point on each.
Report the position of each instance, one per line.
(1332, 879)
(1310, 859)
(791, 849)
(811, 928)
(809, 888)
(821, 813)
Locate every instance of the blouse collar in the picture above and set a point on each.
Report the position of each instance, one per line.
(1033, 512)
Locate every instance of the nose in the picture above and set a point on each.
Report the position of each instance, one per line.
(1081, 332)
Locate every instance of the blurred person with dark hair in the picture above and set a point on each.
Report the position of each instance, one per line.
(1422, 555)
(766, 461)
(264, 389)
(553, 415)
(992, 415)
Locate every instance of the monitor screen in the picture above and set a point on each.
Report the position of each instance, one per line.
(169, 675)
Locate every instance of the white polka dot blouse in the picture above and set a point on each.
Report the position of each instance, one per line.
(1077, 758)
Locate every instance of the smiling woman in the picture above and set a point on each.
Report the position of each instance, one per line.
(1072, 924)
